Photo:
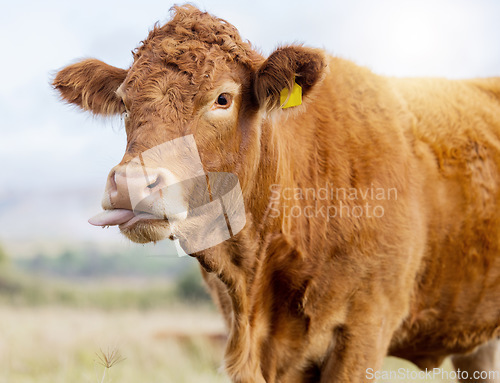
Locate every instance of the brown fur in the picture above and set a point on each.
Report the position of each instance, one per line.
(92, 84)
(307, 298)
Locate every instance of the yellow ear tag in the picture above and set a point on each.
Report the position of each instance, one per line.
(294, 99)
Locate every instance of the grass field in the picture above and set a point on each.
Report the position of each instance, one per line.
(62, 345)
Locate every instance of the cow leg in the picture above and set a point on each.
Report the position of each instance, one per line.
(485, 359)
(357, 351)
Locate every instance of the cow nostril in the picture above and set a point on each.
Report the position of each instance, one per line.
(155, 184)
(112, 181)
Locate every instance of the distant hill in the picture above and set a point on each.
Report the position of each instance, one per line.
(50, 222)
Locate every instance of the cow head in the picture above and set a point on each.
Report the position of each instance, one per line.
(193, 102)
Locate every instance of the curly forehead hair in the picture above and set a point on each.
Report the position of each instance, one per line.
(196, 33)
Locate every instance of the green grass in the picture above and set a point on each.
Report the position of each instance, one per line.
(19, 288)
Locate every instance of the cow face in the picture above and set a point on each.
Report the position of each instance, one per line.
(193, 103)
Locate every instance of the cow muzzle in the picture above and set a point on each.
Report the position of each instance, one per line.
(174, 198)
(136, 193)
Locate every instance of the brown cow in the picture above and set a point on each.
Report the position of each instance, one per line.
(372, 208)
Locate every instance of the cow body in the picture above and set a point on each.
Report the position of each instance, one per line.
(456, 143)
(430, 265)
(371, 208)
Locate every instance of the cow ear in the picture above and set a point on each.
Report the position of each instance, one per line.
(91, 84)
(285, 65)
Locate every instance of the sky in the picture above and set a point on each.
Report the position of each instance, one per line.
(47, 147)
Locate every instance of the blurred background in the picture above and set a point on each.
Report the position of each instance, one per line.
(82, 304)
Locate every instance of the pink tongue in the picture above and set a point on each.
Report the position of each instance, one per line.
(112, 217)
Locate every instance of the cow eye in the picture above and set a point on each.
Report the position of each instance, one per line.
(223, 100)
(124, 108)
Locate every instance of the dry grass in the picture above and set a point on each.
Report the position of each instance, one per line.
(61, 345)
